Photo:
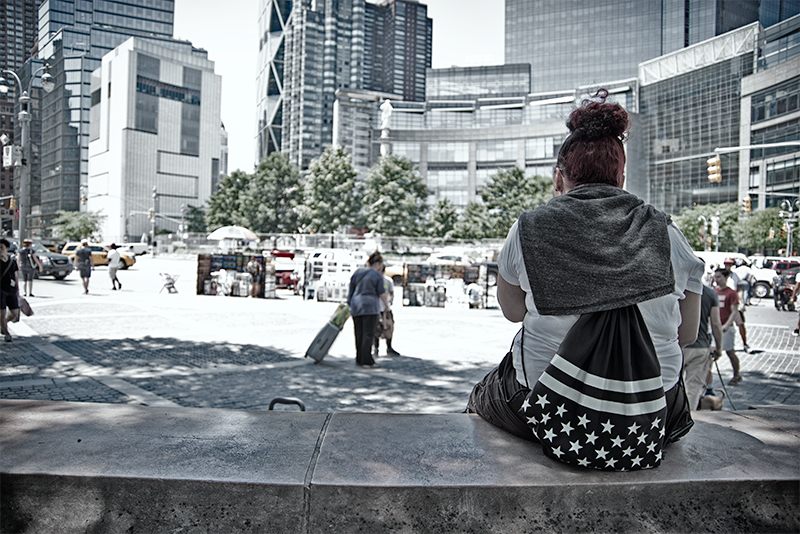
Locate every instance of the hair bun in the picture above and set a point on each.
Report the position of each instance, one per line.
(594, 120)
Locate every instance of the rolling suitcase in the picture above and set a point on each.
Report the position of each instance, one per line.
(322, 342)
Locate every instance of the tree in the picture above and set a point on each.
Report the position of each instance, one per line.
(394, 197)
(224, 206)
(474, 223)
(269, 202)
(442, 219)
(509, 193)
(332, 199)
(77, 225)
(755, 229)
(195, 219)
(691, 225)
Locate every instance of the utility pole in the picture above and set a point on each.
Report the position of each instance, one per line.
(152, 216)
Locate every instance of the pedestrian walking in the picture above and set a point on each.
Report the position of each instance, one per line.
(254, 268)
(385, 328)
(113, 266)
(9, 289)
(729, 315)
(28, 263)
(84, 262)
(698, 356)
(364, 296)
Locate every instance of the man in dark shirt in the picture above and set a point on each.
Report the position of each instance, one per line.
(84, 262)
(697, 357)
(9, 289)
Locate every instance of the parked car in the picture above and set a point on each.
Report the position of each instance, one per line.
(448, 258)
(761, 286)
(136, 249)
(53, 264)
(396, 271)
(99, 254)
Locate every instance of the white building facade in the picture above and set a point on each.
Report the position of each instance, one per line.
(154, 123)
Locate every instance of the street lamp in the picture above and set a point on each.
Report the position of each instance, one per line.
(24, 117)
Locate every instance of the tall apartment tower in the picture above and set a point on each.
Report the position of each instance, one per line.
(398, 38)
(309, 49)
(18, 31)
(570, 43)
(73, 37)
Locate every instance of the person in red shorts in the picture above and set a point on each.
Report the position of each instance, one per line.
(729, 315)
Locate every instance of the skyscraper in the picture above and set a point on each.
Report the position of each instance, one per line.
(570, 43)
(398, 38)
(159, 126)
(18, 32)
(73, 37)
(309, 49)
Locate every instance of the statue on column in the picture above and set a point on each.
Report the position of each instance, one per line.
(386, 114)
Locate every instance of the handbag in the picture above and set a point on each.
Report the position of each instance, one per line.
(24, 307)
(600, 403)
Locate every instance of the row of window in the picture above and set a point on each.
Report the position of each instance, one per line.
(776, 101)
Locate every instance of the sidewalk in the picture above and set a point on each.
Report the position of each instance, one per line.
(139, 346)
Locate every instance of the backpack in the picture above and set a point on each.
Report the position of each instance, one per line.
(600, 403)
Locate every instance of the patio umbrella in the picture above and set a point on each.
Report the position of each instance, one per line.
(233, 232)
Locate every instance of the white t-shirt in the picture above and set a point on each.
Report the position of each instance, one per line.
(113, 258)
(544, 333)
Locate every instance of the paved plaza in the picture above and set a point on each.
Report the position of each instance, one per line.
(145, 346)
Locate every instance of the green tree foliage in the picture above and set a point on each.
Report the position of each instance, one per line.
(332, 198)
(195, 219)
(474, 223)
(509, 193)
(691, 225)
(77, 225)
(394, 198)
(269, 202)
(442, 219)
(224, 206)
(755, 231)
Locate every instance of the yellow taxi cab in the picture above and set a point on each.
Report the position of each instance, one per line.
(99, 254)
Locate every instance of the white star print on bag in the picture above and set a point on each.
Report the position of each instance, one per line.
(600, 403)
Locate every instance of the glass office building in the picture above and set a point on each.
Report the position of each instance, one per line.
(475, 122)
(570, 43)
(771, 114)
(308, 50)
(73, 37)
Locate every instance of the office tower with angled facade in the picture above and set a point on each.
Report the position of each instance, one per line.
(310, 49)
(570, 43)
(73, 37)
(155, 122)
(18, 38)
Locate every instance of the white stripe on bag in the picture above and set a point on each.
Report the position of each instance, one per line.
(619, 386)
(619, 408)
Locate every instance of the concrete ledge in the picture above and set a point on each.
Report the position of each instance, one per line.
(86, 467)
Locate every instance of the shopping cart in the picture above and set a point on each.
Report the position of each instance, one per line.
(169, 282)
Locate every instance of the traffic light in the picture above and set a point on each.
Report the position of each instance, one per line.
(783, 231)
(12, 203)
(714, 169)
(746, 204)
(150, 213)
(83, 199)
(772, 233)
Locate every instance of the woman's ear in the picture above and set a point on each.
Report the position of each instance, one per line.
(558, 182)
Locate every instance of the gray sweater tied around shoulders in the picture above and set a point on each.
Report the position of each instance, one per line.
(595, 248)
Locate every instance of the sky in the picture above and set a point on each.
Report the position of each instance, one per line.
(465, 33)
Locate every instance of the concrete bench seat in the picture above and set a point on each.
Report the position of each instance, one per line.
(87, 467)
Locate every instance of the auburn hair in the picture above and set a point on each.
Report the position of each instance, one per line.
(593, 151)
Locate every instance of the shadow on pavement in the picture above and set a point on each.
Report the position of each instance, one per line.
(244, 376)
